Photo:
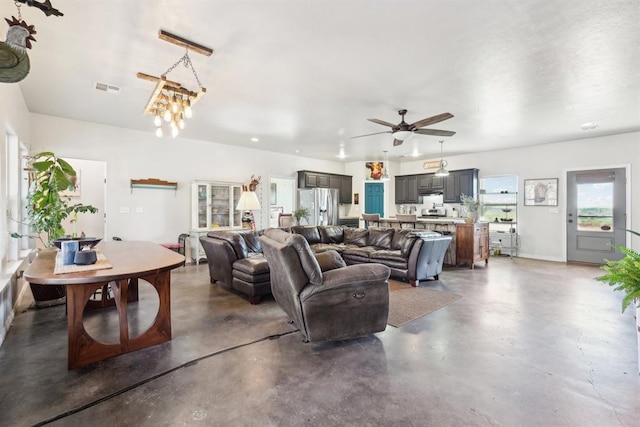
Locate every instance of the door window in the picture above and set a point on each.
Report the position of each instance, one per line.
(595, 201)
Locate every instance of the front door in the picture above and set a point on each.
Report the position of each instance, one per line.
(374, 198)
(596, 214)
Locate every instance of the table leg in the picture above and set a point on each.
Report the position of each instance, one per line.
(83, 349)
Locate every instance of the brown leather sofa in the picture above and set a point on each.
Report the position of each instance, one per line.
(236, 260)
(326, 300)
(412, 255)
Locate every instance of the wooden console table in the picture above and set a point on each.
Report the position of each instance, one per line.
(132, 261)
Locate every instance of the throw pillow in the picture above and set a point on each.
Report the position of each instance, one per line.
(355, 236)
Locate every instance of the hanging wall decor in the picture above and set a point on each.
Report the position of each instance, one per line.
(14, 61)
(44, 6)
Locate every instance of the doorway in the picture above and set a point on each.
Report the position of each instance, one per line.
(90, 190)
(281, 198)
(374, 198)
(596, 214)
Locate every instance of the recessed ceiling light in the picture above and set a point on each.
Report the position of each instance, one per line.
(254, 139)
(589, 126)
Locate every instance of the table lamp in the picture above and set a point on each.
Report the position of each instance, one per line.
(248, 202)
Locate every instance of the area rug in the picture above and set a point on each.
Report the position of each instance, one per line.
(410, 304)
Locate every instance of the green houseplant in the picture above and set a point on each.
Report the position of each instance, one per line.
(624, 274)
(299, 214)
(47, 209)
(472, 205)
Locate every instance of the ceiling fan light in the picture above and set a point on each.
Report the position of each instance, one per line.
(402, 135)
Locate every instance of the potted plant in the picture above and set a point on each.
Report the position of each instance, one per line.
(299, 214)
(47, 209)
(624, 275)
(472, 205)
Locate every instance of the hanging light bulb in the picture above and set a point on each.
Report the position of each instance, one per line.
(174, 104)
(441, 170)
(159, 132)
(181, 122)
(157, 120)
(167, 115)
(188, 113)
(174, 131)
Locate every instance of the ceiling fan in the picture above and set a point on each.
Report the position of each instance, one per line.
(403, 131)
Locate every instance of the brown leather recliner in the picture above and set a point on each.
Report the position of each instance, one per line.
(338, 303)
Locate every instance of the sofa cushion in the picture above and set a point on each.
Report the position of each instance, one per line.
(330, 260)
(404, 241)
(252, 241)
(253, 265)
(307, 259)
(355, 236)
(398, 236)
(331, 234)
(310, 233)
(236, 241)
(387, 254)
(364, 251)
(380, 237)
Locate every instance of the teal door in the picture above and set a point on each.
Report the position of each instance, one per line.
(374, 198)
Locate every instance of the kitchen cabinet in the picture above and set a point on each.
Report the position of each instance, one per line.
(310, 179)
(430, 184)
(472, 243)
(407, 189)
(458, 182)
(346, 189)
(213, 206)
(501, 211)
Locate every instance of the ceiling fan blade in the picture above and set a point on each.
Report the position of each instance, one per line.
(397, 142)
(436, 132)
(369, 134)
(431, 120)
(382, 122)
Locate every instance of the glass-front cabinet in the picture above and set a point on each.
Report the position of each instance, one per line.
(213, 206)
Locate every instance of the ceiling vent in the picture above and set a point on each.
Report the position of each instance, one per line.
(105, 87)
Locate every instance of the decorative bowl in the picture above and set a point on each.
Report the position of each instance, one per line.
(506, 219)
(82, 241)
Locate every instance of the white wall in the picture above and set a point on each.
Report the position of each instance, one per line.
(133, 155)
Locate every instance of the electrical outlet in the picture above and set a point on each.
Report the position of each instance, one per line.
(125, 209)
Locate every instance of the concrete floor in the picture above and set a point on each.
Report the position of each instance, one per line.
(530, 343)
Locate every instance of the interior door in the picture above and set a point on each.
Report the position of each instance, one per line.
(596, 214)
(374, 198)
(90, 190)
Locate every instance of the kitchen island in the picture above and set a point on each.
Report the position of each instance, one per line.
(444, 225)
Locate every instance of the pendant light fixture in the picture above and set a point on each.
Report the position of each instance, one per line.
(385, 173)
(443, 163)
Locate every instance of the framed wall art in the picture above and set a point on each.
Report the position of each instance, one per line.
(541, 192)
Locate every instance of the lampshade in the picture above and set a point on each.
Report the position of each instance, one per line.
(402, 135)
(248, 201)
(441, 170)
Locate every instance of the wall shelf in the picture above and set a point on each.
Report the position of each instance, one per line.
(153, 183)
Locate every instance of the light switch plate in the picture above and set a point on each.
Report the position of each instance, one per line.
(139, 209)
(125, 209)
(554, 210)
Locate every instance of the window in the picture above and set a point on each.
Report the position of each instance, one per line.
(499, 195)
(595, 201)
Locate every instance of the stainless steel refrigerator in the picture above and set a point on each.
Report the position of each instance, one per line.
(322, 204)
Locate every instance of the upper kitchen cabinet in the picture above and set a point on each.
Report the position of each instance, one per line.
(310, 179)
(458, 182)
(428, 183)
(407, 189)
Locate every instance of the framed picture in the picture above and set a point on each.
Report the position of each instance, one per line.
(374, 170)
(541, 192)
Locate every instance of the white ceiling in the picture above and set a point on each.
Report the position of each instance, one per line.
(303, 76)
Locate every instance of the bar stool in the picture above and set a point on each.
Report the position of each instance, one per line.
(371, 219)
(407, 219)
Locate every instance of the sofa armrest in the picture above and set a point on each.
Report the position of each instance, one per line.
(348, 278)
(220, 257)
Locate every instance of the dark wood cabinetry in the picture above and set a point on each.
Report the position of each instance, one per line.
(407, 189)
(458, 182)
(428, 183)
(472, 243)
(309, 179)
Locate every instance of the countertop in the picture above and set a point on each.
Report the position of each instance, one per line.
(443, 220)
